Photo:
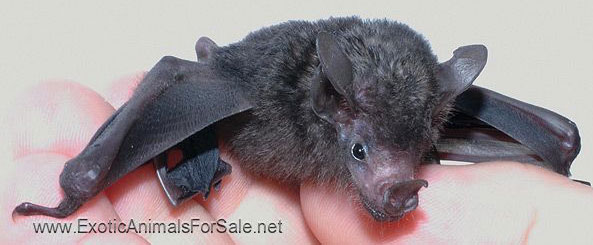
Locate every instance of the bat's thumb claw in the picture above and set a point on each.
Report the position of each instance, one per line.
(582, 182)
(14, 214)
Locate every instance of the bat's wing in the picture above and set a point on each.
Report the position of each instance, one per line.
(490, 126)
(176, 100)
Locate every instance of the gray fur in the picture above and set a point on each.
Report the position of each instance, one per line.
(282, 138)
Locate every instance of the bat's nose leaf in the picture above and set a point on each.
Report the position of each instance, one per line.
(402, 197)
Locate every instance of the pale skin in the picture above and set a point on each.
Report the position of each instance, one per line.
(502, 202)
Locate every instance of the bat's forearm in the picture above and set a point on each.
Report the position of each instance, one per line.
(552, 137)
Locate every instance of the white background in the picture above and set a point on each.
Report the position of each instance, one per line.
(539, 51)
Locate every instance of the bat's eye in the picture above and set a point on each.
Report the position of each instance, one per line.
(358, 152)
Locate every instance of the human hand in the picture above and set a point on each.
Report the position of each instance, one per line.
(54, 121)
(488, 202)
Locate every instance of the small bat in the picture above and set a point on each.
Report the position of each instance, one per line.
(360, 102)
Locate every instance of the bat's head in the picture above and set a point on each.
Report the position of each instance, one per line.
(387, 107)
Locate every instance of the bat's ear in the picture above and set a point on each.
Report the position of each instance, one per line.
(458, 73)
(204, 49)
(334, 79)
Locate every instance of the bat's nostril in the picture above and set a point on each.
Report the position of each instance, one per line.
(396, 204)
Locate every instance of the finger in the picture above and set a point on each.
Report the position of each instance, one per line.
(510, 202)
(336, 217)
(442, 207)
(58, 117)
(563, 208)
(122, 89)
(273, 211)
(482, 203)
(463, 204)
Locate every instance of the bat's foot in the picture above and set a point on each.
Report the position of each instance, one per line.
(190, 178)
(199, 171)
(65, 208)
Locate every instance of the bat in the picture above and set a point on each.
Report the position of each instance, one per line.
(356, 102)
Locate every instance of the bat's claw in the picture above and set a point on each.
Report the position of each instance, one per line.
(582, 182)
(172, 192)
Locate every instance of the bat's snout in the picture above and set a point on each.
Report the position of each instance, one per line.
(387, 184)
(402, 197)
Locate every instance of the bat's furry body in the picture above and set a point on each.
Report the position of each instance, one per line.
(343, 100)
(282, 137)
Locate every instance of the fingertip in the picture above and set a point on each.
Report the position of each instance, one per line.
(336, 216)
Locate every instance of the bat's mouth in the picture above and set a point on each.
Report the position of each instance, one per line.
(377, 214)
